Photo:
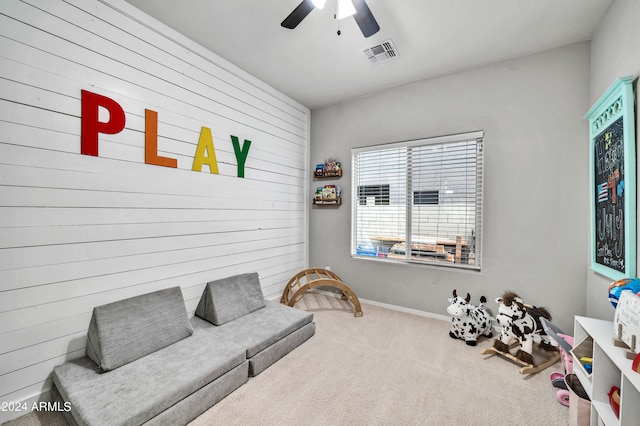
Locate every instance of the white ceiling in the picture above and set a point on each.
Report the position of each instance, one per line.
(316, 67)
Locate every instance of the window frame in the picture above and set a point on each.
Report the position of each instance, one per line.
(478, 136)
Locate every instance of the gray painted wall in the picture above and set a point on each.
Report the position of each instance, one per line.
(614, 53)
(536, 171)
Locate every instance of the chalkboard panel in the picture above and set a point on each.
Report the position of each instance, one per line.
(609, 197)
(613, 182)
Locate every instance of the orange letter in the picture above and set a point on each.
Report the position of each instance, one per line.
(151, 142)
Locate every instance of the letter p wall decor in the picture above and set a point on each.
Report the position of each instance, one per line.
(613, 182)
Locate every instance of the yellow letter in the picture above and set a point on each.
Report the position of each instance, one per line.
(205, 144)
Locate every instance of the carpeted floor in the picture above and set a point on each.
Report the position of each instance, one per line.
(385, 368)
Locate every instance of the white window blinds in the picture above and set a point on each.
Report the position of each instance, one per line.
(419, 201)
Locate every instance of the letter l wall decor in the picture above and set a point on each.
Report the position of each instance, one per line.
(613, 182)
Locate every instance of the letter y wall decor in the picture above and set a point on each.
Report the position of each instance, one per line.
(613, 181)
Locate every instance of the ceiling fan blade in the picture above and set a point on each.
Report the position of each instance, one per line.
(298, 14)
(364, 18)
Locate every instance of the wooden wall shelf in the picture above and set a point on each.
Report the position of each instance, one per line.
(329, 174)
(328, 202)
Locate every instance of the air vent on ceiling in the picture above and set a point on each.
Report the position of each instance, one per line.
(382, 52)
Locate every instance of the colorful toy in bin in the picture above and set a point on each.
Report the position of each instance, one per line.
(587, 363)
(614, 400)
(624, 284)
(635, 366)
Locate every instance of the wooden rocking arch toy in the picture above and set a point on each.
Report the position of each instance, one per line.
(317, 277)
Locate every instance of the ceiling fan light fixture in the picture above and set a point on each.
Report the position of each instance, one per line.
(319, 4)
(358, 9)
(345, 9)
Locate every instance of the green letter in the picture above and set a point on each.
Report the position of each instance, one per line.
(241, 155)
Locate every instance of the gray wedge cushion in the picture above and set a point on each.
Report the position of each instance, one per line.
(229, 298)
(129, 329)
(139, 391)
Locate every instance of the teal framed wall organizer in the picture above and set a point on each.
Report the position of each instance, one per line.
(613, 181)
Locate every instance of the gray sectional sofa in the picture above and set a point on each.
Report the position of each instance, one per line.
(148, 363)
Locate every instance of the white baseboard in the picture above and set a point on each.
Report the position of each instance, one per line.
(497, 328)
(388, 306)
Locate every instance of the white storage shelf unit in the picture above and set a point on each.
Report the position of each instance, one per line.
(610, 368)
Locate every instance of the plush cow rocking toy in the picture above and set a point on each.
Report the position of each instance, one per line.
(469, 322)
(521, 323)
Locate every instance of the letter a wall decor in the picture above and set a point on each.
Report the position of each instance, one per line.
(613, 182)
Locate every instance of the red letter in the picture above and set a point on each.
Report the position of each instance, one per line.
(90, 126)
(151, 142)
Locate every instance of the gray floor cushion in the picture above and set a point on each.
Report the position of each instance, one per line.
(200, 401)
(268, 334)
(263, 359)
(261, 328)
(137, 392)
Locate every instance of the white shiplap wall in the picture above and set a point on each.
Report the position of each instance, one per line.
(78, 231)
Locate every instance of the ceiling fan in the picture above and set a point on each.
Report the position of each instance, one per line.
(360, 11)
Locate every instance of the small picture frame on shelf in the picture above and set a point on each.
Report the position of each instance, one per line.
(329, 169)
(329, 192)
(327, 195)
(626, 321)
(332, 165)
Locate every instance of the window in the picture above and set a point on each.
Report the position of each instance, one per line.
(426, 197)
(419, 201)
(379, 194)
